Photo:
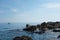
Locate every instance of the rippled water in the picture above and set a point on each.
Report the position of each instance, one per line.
(8, 32)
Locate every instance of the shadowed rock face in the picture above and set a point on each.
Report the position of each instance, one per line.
(51, 23)
(56, 30)
(23, 38)
(30, 29)
(43, 24)
(58, 36)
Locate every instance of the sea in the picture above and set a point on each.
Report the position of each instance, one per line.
(9, 31)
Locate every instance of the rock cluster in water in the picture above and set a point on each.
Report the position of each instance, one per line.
(23, 38)
(42, 27)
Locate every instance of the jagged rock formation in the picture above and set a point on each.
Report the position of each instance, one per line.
(43, 26)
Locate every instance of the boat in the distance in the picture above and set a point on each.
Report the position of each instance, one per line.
(9, 23)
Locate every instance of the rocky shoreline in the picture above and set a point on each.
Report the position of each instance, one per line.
(32, 30)
(41, 28)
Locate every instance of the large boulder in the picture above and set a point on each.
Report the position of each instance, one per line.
(58, 36)
(23, 38)
(17, 38)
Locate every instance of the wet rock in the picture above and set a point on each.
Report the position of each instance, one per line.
(56, 30)
(26, 38)
(58, 36)
(43, 26)
(17, 38)
(30, 29)
(23, 38)
(40, 32)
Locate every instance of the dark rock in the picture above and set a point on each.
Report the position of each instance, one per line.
(50, 27)
(43, 24)
(23, 38)
(58, 26)
(40, 32)
(26, 38)
(52, 23)
(57, 22)
(56, 30)
(58, 36)
(38, 25)
(27, 25)
(30, 29)
(17, 38)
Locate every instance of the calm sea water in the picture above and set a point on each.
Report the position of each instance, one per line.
(6, 26)
(8, 32)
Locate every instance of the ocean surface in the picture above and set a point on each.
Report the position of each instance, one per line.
(9, 31)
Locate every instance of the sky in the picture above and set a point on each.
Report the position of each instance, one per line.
(29, 10)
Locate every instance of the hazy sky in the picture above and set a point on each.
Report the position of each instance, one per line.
(29, 10)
